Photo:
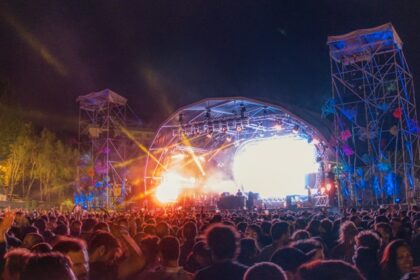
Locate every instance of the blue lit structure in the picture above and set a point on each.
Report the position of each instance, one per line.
(375, 118)
(101, 177)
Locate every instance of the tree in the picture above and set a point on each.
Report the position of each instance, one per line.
(19, 156)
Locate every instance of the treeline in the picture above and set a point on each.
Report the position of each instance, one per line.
(34, 163)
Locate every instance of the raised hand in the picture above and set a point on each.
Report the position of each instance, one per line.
(7, 222)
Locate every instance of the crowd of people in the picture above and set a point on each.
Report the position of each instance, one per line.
(177, 244)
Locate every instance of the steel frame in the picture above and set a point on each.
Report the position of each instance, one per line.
(374, 105)
(210, 122)
(101, 116)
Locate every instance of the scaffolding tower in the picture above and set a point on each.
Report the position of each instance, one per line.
(102, 146)
(375, 120)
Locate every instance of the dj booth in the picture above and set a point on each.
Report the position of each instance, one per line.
(231, 202)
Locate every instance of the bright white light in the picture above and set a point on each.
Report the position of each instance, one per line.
(218, 183)
(171, 186)
(274, 167)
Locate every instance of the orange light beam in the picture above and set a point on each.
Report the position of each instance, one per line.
(129, 161)
(141, 146)
(208, 153)
(177, 143)
(187, 142)
(34, 43)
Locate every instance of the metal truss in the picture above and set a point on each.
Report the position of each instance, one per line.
(102, 146)
(375, 118)
(208, 126)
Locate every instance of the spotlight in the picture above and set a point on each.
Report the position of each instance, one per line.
(278, 126)
(209, 134)
(328, 187)
(295, 129)
(178, 156)
(229, 138)
(238, 127)
(224, 128)
(322, 190)
(315, 141)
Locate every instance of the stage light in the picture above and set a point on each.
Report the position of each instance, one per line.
(238, 127)
(295, 129)
(328, 187)
(275, 166)
(322, 190)
(171, 186)
(278, 126)
(229, 138)
(315, 141)
(178, 156)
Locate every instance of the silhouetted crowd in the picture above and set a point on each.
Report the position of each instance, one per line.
(176, 244)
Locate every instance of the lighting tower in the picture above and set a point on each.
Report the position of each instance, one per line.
(375, 118)
(102, 145)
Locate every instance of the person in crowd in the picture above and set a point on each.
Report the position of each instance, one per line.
(312, 247)
(289, 259)
(222, 241)
(385, 231)
(397, 260)
(76, 251)
(280, 234)
(254, 232)
(248, 251)
(189, 233)
(265, 271)
(344, 250)
(101, 226)
(326, 233)
(368, 239)
(314, 227)
(15, 261)
(300, 234)
(32, 239)
(43, 247)
(104, 250)
(199, 258)
(366, 260)
(149, 247)
(266, 236)
(331, 269)
(87, 228)
(76, 228)
(162, 229)
(415, 245)
(50, 266)
(169, 269)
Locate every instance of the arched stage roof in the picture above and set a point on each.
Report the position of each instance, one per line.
(208, 122)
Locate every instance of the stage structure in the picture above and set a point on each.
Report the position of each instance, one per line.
(102, 145)
(204, 130)
(375, 120)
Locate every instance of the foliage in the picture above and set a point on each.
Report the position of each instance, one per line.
(32, 165)
(38, 166)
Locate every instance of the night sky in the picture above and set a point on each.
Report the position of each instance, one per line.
(165, 54)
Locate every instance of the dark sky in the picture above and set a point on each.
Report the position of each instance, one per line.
(165, 54)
